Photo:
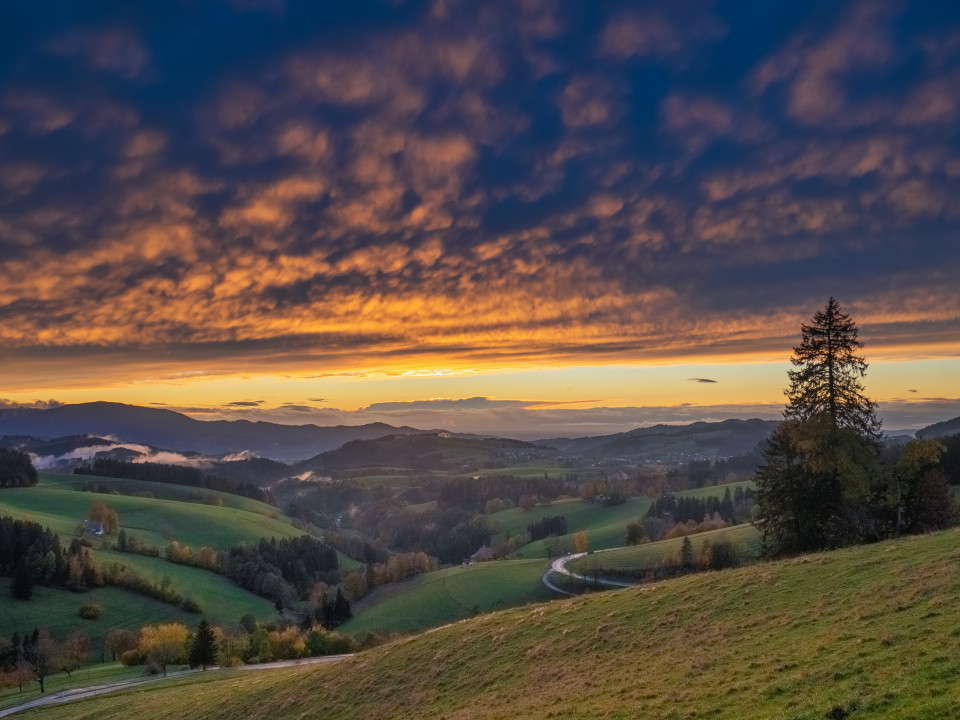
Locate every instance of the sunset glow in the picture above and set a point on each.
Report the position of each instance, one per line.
(537, 216)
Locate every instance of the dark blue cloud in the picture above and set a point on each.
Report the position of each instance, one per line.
(423, 178)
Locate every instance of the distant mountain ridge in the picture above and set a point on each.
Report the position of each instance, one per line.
(940, 429)
(726, 438)
(168, 429)
(426, 451)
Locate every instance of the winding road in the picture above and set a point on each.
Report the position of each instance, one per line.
(560, 566)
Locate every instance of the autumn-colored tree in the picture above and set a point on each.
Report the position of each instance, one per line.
(42, 653)
(923, 498)
(288, 644)
(164, 644)
(118, 642)
(581, 542)
(355, 583)
(105, 515)
(21, 674)
(76, 650)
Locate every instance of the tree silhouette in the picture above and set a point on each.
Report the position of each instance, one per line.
(203, 649)
(820, 481)
(828, 379)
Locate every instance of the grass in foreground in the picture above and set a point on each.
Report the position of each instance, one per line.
(868, 632)
(92, 674)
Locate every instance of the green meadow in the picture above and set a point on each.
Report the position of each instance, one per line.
(606, 527)
(58, 611)
(865, 632)
(56, 503)
(451, 594)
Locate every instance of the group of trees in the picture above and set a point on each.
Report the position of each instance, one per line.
(283, 570)
(37, 655)
(173, 475)
(733, 508)
(701, 473)
(32, 555)
(825, 482)
(546, 527)
(16, 469)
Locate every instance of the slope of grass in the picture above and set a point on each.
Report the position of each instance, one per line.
(453, 594)
(165, 491)
(58, 611)
(867, 632)
(606, 527)
(55, 504)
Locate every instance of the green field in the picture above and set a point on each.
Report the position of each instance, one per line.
(57, 610)
(606, 527)
(453, 594)
(647, 555)
(54, 503)
(866, 632)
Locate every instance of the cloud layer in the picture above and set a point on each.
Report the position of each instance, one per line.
(293, 187)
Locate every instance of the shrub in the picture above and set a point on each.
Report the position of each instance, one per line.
(90, 612)
(191, 605)
(132, 657)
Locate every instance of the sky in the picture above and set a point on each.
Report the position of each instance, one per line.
(527, 217)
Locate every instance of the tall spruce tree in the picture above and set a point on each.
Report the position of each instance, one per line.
(203, 649)
(828, 379)
(818, 486)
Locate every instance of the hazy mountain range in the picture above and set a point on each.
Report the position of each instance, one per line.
(68, 428)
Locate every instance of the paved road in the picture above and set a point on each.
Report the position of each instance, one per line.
(560, 566)
(65, 696)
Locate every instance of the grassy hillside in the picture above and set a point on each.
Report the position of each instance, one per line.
(452, 594)
(56, 503)
(868, 632)
(57, 610)
(606, 527)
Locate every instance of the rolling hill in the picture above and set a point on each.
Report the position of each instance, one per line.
(427, 451)
(159, 512)
(865, 632)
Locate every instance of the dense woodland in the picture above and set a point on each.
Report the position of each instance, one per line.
(173, 475)
(283, 570)
(16, 469)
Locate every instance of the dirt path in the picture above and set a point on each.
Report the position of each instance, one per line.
(65, 696)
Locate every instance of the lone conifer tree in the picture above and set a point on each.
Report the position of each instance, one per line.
(828, 379)
(203, 649)
(818, 486)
